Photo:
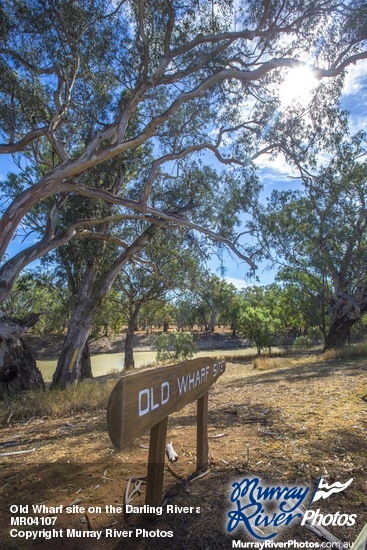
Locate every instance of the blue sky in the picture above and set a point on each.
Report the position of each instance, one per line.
(275, 174)
(6, 165)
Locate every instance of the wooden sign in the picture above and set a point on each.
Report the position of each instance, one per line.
(142, 400)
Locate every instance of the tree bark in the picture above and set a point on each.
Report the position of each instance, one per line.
(75, 349)
(213, 319)
(339, 333)
(86, 369)
(346, 311)
(18, 370)
(129, 362)
(69, 364)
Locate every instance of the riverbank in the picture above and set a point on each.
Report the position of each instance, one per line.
(43, 347)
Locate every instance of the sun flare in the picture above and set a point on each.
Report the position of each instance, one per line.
(297, 86)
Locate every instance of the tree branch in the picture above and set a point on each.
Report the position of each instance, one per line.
(22, 143)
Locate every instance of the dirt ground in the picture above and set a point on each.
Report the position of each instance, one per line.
(287, 426)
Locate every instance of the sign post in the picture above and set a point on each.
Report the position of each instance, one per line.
(202, 447)
(144, 400)
(155, 473)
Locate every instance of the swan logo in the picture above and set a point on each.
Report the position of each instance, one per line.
(324, 490)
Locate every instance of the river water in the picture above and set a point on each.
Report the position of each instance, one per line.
(111, 362)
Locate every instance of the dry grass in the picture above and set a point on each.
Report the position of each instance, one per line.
(88, 396)
(356, 350)
(270, 363)
(236, 358)
(83, 397)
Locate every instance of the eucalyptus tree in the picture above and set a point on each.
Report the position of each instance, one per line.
(191, 191)
(305, 300)
(274, 298)
(320, 234)
(232, 311)
(167, 266)
(185, 312)
(212, 297)
(259, 324)
(43, 293)
(83, 83)
(156, 313)
(87, 263)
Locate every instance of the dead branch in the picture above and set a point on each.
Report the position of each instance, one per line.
(360, 542)
(321, 532)
(174, 473)
(198, 475)
(138, 482)
(90, 523)
(13, 444)
(18, 452)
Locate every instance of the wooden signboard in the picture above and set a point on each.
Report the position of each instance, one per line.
(143, 400)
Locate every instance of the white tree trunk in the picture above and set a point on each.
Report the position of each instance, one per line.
(69, 364)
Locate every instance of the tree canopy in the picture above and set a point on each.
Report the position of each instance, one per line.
(83, 83)
(153, 113)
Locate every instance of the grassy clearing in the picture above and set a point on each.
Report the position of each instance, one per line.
(349, 352)
(90, 396)
(356, 350)
(270, 363)
(251, 356)
(83, 397)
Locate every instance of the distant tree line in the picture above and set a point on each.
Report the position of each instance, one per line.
(288, 312)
